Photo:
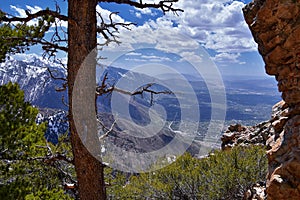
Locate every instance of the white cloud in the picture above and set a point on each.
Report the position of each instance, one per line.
(145, 11)
(136, 60)
(33, 9)
(20, 12)
(225, 58)
(138, 15)
(106, 15)
(190, 55)
(218, 24)
(159, 34)
(133, 54)
(63, 24)
(154, 58)
(148, 58)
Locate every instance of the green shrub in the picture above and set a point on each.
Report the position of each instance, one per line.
(222, 175)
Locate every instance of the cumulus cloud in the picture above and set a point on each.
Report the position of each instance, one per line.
(133, 54)
(20, 12)
(158, 33)
(215, 24)
(138, 15)
(218, 24)
(154, 58)
(148, 58)
(225, 58)
(33, 9)
(145, 11)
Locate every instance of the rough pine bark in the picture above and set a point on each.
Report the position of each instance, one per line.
(81, 41)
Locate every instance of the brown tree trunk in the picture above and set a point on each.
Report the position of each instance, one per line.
(82, 40)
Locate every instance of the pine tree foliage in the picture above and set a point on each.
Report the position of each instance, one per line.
(18, 37)
(78, 41)
(24, 174)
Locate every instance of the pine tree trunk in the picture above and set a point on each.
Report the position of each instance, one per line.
(82, 40)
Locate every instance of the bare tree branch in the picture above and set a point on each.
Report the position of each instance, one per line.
(46, 45)
(30, 16)
(53, 76)
(165, 6)
(108, 130)
(109, 29)
(51, 157)
(104, 89)
(57, 157)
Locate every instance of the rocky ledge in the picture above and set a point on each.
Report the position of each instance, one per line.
(265, 133)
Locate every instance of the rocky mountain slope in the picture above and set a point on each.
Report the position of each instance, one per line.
(57, 123)
(32, 74)
(246, 100)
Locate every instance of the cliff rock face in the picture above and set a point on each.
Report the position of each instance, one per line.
(275, 25)
(266, 133)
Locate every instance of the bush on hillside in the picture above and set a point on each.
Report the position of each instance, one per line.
(222, 175)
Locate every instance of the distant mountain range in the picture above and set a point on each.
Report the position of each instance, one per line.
(32, 74)
(247, 100)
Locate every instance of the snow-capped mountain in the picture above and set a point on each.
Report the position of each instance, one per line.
(32, 74)
(57, 123)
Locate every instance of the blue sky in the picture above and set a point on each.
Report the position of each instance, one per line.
(216, 25)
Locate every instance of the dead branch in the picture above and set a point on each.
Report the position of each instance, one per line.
(105, 89)
(53, 76)
(109, 130)
(152, 92)
(65, 174)
(30, 16)
(52, 47)
(165, 6)
(46, 45)
(64, 101)
(51, 157)
(57, 157)
(109, 29)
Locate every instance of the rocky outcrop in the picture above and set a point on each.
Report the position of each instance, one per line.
(265, 133)
(275, 26)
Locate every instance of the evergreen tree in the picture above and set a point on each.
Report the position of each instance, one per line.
(24, 174)
(81, 40)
